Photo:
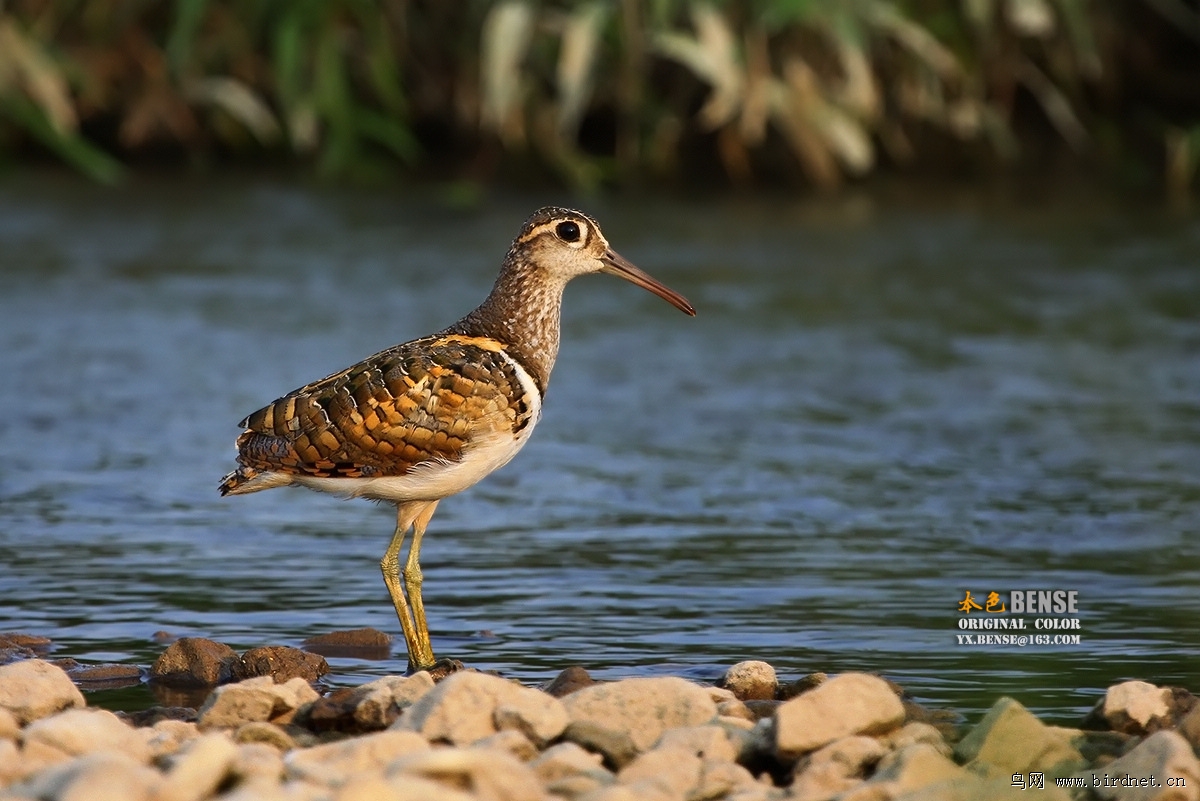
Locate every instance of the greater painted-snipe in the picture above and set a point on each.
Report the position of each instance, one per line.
(421, 421)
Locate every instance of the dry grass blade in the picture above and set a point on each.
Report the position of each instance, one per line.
(239, 101)
(712, 56)
(1054, 103)
(576, 63)
(918, 41)
(507, 31)
(23, 64)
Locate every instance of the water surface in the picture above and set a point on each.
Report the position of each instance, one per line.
(882, 403)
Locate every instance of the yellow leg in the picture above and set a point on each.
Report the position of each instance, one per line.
(413, 579)
(420, 653)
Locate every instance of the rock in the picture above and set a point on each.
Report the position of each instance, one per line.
(333, 764)
(511, 741)
(486, 774)
(351, 644)
(199, 768)
(800, 686)
(852, 703)
(572, 679)
(566, 759)
(194, 662)
(281, 663)
(399, 788)
(915, 769)
(737, 709)
(643, 707)
(100, 776)
(107, 676)
(1164, 756)
(836, 768)
(83, 731)
(168, 736)
(1136, 707)
(258, 762)
(720, 779)
(381, 701)
(33, 642)
(751, 681)
(11, 769)
(254, 700)
(707, 742)
(262, 733)
(32, 689)
(151, 716)
(468, 706)
(672, 772)
(614, 745)
(915, 732)
(1011, 740)
(9, 727)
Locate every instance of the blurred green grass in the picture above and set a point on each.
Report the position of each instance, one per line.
(605, 92)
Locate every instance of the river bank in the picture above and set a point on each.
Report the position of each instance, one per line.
(474, 735)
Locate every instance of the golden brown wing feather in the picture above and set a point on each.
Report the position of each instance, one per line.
(423, 401)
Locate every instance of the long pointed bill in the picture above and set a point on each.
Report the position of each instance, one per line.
(618, 265)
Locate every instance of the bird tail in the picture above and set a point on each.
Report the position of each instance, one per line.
(236, 482)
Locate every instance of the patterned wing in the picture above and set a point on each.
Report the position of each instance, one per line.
(424, 401)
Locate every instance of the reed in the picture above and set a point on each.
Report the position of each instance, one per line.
(602, 91)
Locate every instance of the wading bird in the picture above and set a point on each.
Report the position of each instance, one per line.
(421, 421)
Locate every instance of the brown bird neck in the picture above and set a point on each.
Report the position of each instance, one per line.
(523, 311)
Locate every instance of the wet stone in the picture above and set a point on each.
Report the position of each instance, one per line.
(366, 643)
(106, 676)
(151, 716)
(571, 679)
(194, 662)
(281, 663)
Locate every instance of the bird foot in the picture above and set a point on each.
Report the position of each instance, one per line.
(439, 669)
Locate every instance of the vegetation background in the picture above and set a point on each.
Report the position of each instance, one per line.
(607, 92)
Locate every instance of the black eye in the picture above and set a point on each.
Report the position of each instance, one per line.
(567, 231)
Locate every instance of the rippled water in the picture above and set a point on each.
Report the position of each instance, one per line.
(883, 403)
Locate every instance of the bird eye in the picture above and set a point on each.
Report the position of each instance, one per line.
(568, 231)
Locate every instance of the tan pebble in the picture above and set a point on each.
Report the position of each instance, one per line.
(737, 722)
(199, 768)
(10, 762)
(37, 756)
(469, 706)
(719, 778)
(673, 771)
(99, 776)
(836, 768)
(566, 759)
(487, 773)
(258, 761)
(168, 736)
(577, 785)
(643, 707)
(333, 764)
(83, 731)
(265, 733)
(707, 742)
(403, 788)
(234, 704)
(33, 688)
(720, 695)
(915, 732)
(511, 741)
(735, 709)
(9, 726)
(852, 703)
(751, 680)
